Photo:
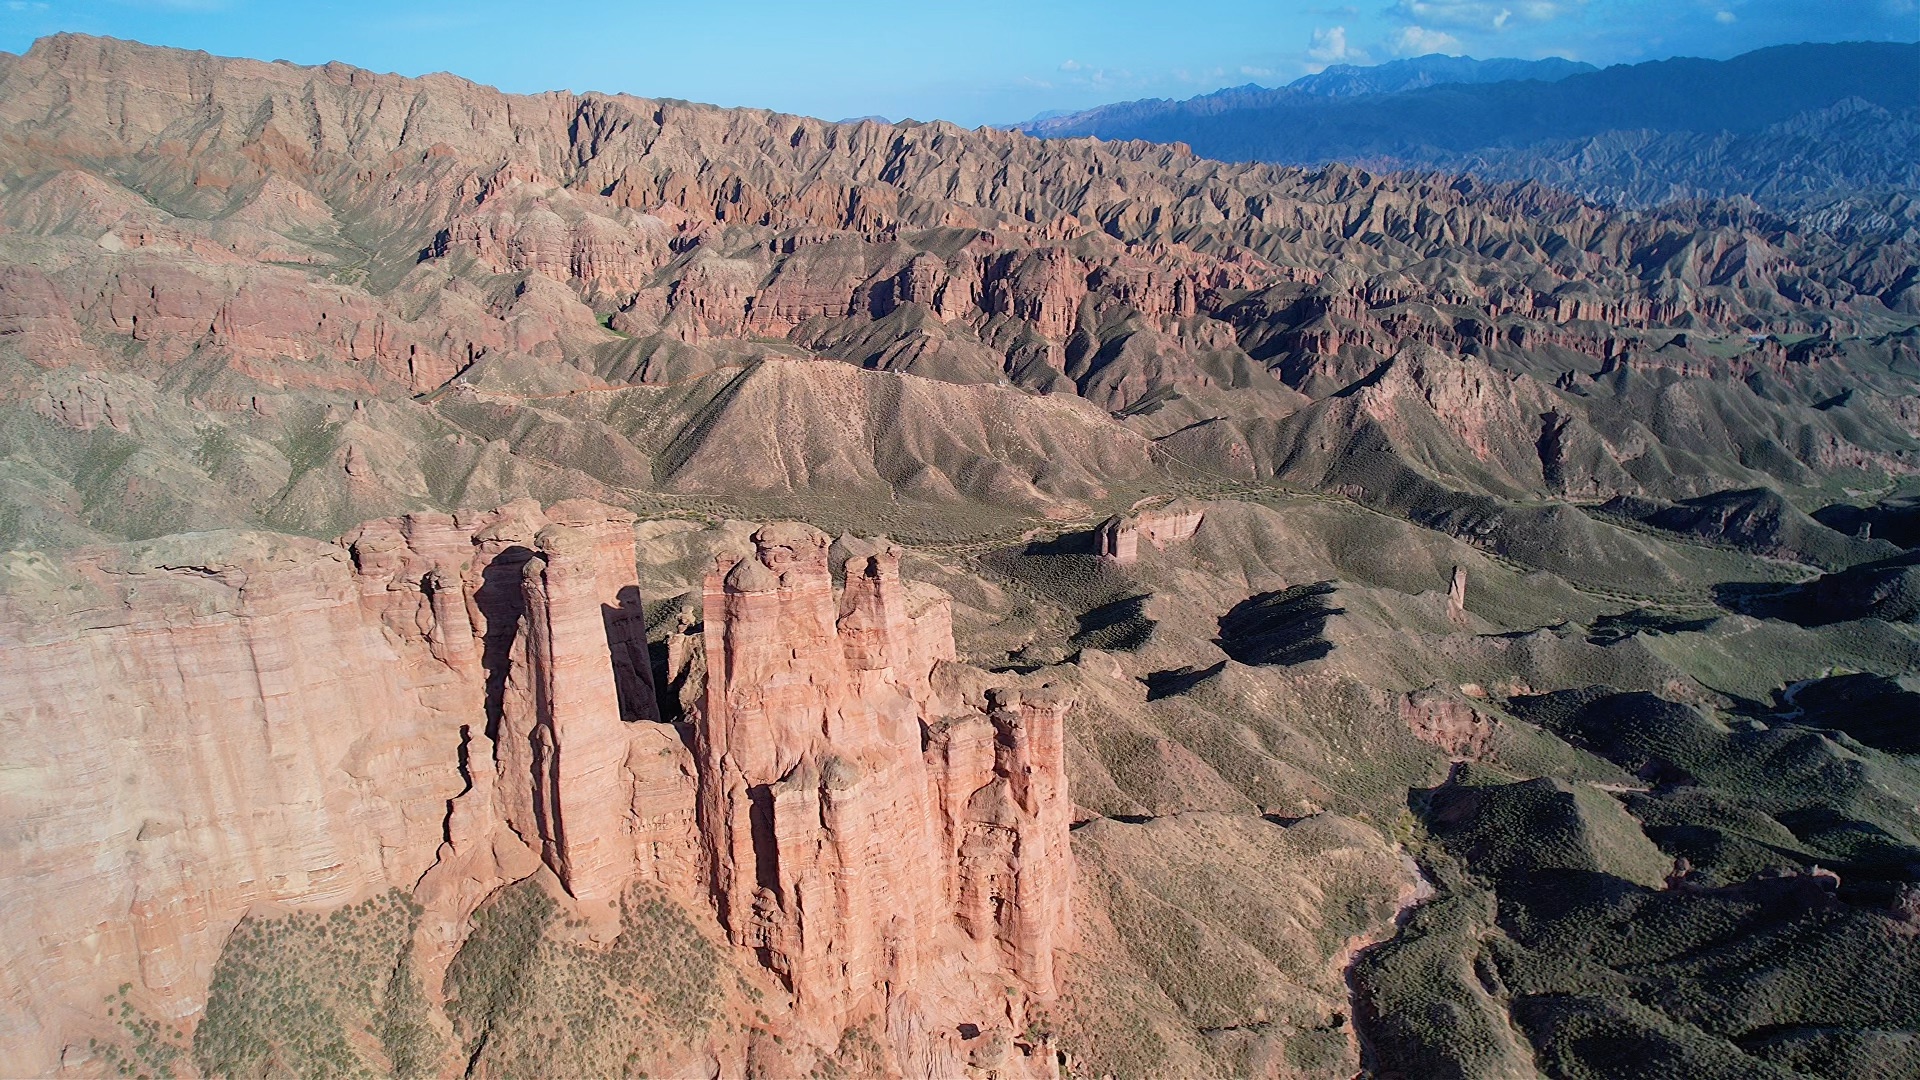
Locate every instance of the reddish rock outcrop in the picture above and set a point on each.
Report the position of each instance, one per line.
(1453, 726)
(204, 724)
(1118, 538)
(572, 692)
(867, 845)
(443, 702)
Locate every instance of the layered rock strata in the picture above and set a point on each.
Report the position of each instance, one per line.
(1118, 538)
(537, 619)
(1198, 316)
(442, 703)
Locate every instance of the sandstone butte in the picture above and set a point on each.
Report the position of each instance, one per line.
(1118, 538)
(447, 703)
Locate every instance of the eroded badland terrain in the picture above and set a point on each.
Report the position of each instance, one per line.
(1325, 620)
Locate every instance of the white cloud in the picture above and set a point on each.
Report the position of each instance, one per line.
(1724, 17)
(1419, 41)
(1480, 14)
(1077, 73)
(1329, 46)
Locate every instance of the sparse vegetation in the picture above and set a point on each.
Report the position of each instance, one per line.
(313, 995)
(215, 449)
(147, 1048)
(527, 997)
(1641, 435)
(306, 439)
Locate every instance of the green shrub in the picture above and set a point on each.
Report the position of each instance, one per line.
(525, 1000)
(300, 993)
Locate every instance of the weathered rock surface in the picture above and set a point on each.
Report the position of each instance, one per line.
(1451, 725)
(887, 846)
(443, 702)
(453, 267)
(194, 727)
(1118, 538)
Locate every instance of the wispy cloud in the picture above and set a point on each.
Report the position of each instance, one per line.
(1419, 41)
(1330, 46)
(1480, 14)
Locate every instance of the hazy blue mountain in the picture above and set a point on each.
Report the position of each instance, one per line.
(1433, 69)
(1796, 127)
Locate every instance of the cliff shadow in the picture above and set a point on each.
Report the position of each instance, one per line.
(1607, 629)
(1121, 626)
(1762, 600)
(1871, 709)
(502, 602)
(1284, 627)
(766, 845)
(633, 672)
(1085, 542)
(1175, 681)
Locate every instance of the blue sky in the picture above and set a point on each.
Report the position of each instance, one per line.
(984, 61)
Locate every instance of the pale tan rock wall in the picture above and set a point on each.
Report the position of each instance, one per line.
(207, 736)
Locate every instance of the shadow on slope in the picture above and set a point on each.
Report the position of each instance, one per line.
(1752, 519)
(1872, 709)
(1283, 627)
(1888, 589)
(1894, 520)
(1559, 922)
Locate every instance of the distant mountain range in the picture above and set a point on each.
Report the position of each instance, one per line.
(1829, 133)
(1433, 69)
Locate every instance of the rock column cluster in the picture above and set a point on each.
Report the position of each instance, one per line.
(857, 838)
(470, 697)
(542, 613)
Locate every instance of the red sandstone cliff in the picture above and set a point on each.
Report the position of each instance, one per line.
(443, 702)
(885, 851)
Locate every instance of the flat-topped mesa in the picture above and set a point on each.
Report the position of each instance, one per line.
(1118, 538)
(856, 838)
